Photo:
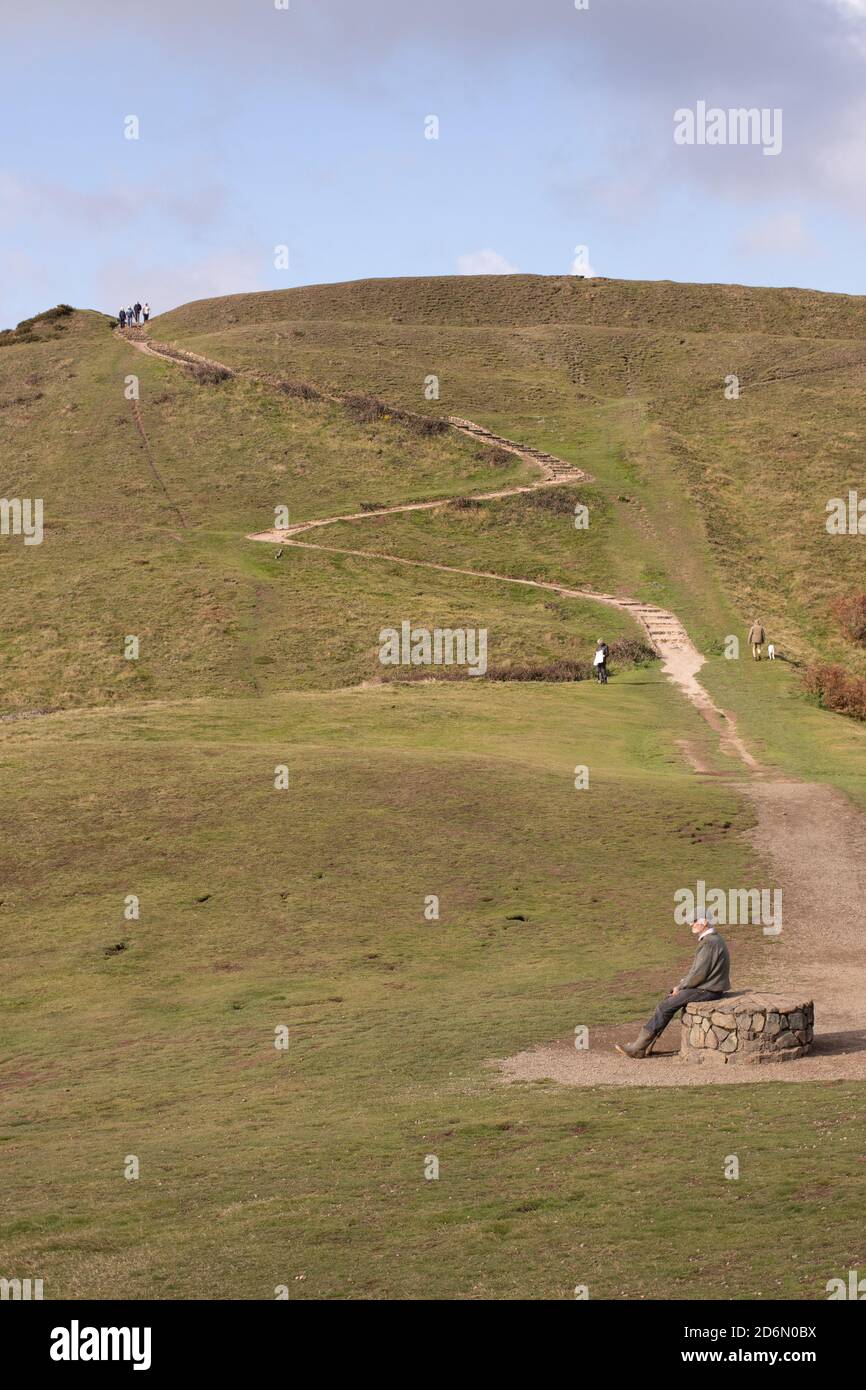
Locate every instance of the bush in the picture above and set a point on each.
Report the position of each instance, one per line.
(629, 651)
(207, 375)
(495, 456)
(300, 390)
(12, 337)
(558, 501)
(422, 424)
(849, 610)
(60, 311)
(465, 504)
(366, 410)
(837, 690)
(632, 651)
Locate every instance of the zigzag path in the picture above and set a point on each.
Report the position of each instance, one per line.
(813, 835)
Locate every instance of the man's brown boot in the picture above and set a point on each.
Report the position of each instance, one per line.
(640, 1045)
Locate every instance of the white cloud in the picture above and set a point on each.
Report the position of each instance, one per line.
(781, 235)
(165, 287)
(851, 9)
(485, 263)
(195, 208)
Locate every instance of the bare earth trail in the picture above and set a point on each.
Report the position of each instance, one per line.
(812, 835)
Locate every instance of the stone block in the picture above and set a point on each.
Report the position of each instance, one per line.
(748, 1028)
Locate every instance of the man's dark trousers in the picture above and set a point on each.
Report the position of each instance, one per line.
(665, 1010)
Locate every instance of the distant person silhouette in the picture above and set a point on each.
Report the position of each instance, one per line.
(122, 317)
(145, 312)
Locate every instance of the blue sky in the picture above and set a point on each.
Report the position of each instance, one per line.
(261, 126)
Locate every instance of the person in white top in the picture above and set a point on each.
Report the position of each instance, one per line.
(145, 311)
(599, 661)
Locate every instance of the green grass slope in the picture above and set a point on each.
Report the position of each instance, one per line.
(153, 1036)
(715, 507)
(147, 539)
(304, 909)
(629, 379)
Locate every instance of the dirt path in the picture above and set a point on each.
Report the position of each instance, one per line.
(814, 838)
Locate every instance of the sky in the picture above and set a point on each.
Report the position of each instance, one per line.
(304, 124)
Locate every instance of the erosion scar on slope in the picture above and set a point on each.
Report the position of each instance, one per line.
(814, 836)
(151, 462)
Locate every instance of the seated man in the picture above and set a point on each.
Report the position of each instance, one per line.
(708, 978)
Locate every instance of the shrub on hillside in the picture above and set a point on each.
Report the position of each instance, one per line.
(300, 390)
(836, 689)
(495, 456)
(557, 501)
(366, 410)
(422, 424)
(12, 337)
(632, 651)
(465, 504)
(849, 610)
(628, 651)
(60, 311)
(207, 375)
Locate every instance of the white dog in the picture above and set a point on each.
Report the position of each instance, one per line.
(771, 652)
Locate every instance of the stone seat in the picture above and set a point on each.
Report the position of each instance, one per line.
(747, 1027)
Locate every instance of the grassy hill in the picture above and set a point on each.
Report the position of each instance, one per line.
(727, 511)
(526, 300)
(152, 1035)
(145, 536)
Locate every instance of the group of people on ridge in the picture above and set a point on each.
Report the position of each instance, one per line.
(136, 313)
